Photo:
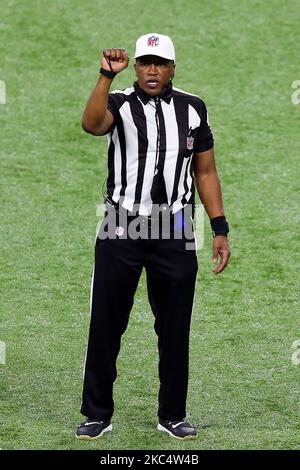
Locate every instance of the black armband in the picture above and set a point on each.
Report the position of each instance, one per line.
(107, 73)
(219, 226)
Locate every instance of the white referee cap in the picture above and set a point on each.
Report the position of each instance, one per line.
(155, 44)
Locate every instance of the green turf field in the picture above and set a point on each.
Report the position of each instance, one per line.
(241, 57)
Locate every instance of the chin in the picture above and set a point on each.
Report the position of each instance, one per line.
(151, 92)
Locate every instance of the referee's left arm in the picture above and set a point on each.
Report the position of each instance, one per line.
(208, 183)
(209, 190)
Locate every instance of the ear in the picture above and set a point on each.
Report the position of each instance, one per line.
(173, 72)
(135, 69)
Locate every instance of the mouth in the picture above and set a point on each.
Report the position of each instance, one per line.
(152, 83)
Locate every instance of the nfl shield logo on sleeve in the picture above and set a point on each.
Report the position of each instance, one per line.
(190, 143)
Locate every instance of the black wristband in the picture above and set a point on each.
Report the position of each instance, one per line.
(219, 226)
(107, 73)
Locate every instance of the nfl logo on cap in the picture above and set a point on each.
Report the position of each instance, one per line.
(155, 44)
(153, 41)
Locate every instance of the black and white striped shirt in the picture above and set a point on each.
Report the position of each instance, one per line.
(151, 147)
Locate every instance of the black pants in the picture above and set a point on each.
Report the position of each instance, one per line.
(171, 274)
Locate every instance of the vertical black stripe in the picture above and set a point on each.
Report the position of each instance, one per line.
(162, 153)
(186, 188)
(110, 183)
(182, 118)
(122, 141)
(139, 120)
(191, 199)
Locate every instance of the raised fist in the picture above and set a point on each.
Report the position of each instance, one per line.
(114, 59)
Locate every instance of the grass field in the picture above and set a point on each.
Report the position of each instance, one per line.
(242, 58)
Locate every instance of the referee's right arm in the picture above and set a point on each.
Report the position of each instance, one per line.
(97, 119)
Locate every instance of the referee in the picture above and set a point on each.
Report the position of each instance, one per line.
(160, 146)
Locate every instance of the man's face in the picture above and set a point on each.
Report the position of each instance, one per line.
(153, 73)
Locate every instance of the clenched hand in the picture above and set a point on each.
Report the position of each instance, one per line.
(114, 60)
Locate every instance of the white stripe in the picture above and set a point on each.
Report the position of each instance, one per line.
(194, 295)
(194, 118)
(127, 91)
(172, 146)
(185, 92)
(177, 205)
(117, 152)
(117, 165)
(181, 189)
(194, 122)
(207, 118)
(131, 139)
(146, 202)
(189, 180)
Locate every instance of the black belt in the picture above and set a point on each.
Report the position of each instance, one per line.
(145, 218)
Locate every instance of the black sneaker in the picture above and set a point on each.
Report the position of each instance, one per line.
(92, 429)
(178, 429)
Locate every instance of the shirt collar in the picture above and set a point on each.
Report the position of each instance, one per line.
(144, 97)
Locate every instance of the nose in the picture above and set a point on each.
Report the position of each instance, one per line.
(152, 69)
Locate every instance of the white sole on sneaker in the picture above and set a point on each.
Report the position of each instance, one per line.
(163, 429)
(85, 437)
